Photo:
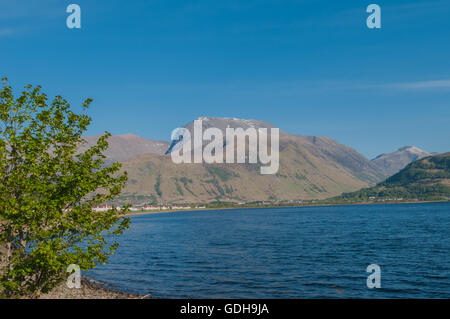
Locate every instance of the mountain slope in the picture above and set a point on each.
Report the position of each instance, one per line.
(425, 179)
(301, 176)
(351, 160)
(394, 162)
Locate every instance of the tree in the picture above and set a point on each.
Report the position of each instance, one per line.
(48, 189)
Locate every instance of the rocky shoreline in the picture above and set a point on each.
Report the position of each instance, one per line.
(89, 290)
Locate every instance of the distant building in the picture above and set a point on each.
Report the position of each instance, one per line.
(150, 207)
(102, 208)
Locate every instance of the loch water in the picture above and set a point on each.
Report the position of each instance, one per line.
(289, 252)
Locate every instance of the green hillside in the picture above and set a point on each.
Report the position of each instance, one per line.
(425, 179)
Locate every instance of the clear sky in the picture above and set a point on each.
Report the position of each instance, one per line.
(309, 67)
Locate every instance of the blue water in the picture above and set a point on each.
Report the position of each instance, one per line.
(307, 252)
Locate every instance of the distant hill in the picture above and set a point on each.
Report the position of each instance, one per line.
(127, 146)
(311, 167)
(424, 179)
(392, 163)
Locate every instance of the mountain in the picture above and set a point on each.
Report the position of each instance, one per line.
(311, 167)
(424, 179)
(319, 146)
(394, 162)
(127, 146)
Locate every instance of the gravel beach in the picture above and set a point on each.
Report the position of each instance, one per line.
(88, 290)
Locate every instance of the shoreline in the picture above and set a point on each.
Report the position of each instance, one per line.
(90, 289)
(274, 206)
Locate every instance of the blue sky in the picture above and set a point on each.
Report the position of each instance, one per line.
(309, 67)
